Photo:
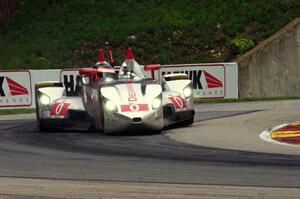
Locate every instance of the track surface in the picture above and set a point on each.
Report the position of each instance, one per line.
(24, 152)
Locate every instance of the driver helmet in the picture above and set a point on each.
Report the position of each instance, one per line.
(103, 64)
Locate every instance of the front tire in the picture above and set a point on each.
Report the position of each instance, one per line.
(188, 122)
(157, 132)
(40, 122)
(42, 127)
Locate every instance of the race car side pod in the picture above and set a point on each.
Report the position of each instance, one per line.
(100, 57)
(152, 68)
(111, 58)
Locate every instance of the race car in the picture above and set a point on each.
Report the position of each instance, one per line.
(178, 106)
(111, 102)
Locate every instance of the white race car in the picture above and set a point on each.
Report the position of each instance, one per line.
(111, 102)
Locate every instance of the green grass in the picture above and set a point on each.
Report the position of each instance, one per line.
(56, 33)
(16, 111)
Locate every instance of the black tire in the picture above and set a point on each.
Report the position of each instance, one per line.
(42, 127)
(102, 119)
(188, 122)
(102, 130)
(92, 128)
(40, 122)
(157, 131)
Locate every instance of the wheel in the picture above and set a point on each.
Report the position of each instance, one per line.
(188, 122)
(157, 131)
(100, 124)
(42, 127)
(40, 122)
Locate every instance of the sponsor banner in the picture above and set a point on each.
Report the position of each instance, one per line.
(70, 79)
(15, 88)
(208, 80)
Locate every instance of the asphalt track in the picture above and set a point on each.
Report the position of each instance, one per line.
(147, 158)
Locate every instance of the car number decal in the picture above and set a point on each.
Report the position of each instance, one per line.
(178, 102)
(134, 107)
(59, 109)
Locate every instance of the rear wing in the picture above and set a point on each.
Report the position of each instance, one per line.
(48, 84)
(175, 76)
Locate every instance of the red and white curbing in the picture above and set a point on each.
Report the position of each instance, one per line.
(266, 135)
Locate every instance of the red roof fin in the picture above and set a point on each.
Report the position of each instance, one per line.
(100, 56)
(129, 54)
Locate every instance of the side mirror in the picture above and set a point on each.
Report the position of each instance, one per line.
(85, 79)
(152, 68)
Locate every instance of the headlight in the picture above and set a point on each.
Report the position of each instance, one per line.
(187, 91)
(109, 105)
(156, 103)
(44, 99)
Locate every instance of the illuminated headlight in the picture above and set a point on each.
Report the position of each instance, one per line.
(187, 91)
(109, 105)
(156, 103)
(44, 99)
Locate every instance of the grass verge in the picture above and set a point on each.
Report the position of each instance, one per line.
(16, 111)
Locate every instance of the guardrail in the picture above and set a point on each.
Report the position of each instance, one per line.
(7, 9)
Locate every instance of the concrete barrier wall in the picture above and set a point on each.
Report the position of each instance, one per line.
(273, 67)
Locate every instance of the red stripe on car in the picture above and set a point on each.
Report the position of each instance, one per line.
(134, 107)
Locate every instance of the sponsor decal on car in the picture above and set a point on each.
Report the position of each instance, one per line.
(134, 107)
(178, 102)
(15, 88)
(45, 114)
(59, 109)
(131, 93)
(132, 99)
